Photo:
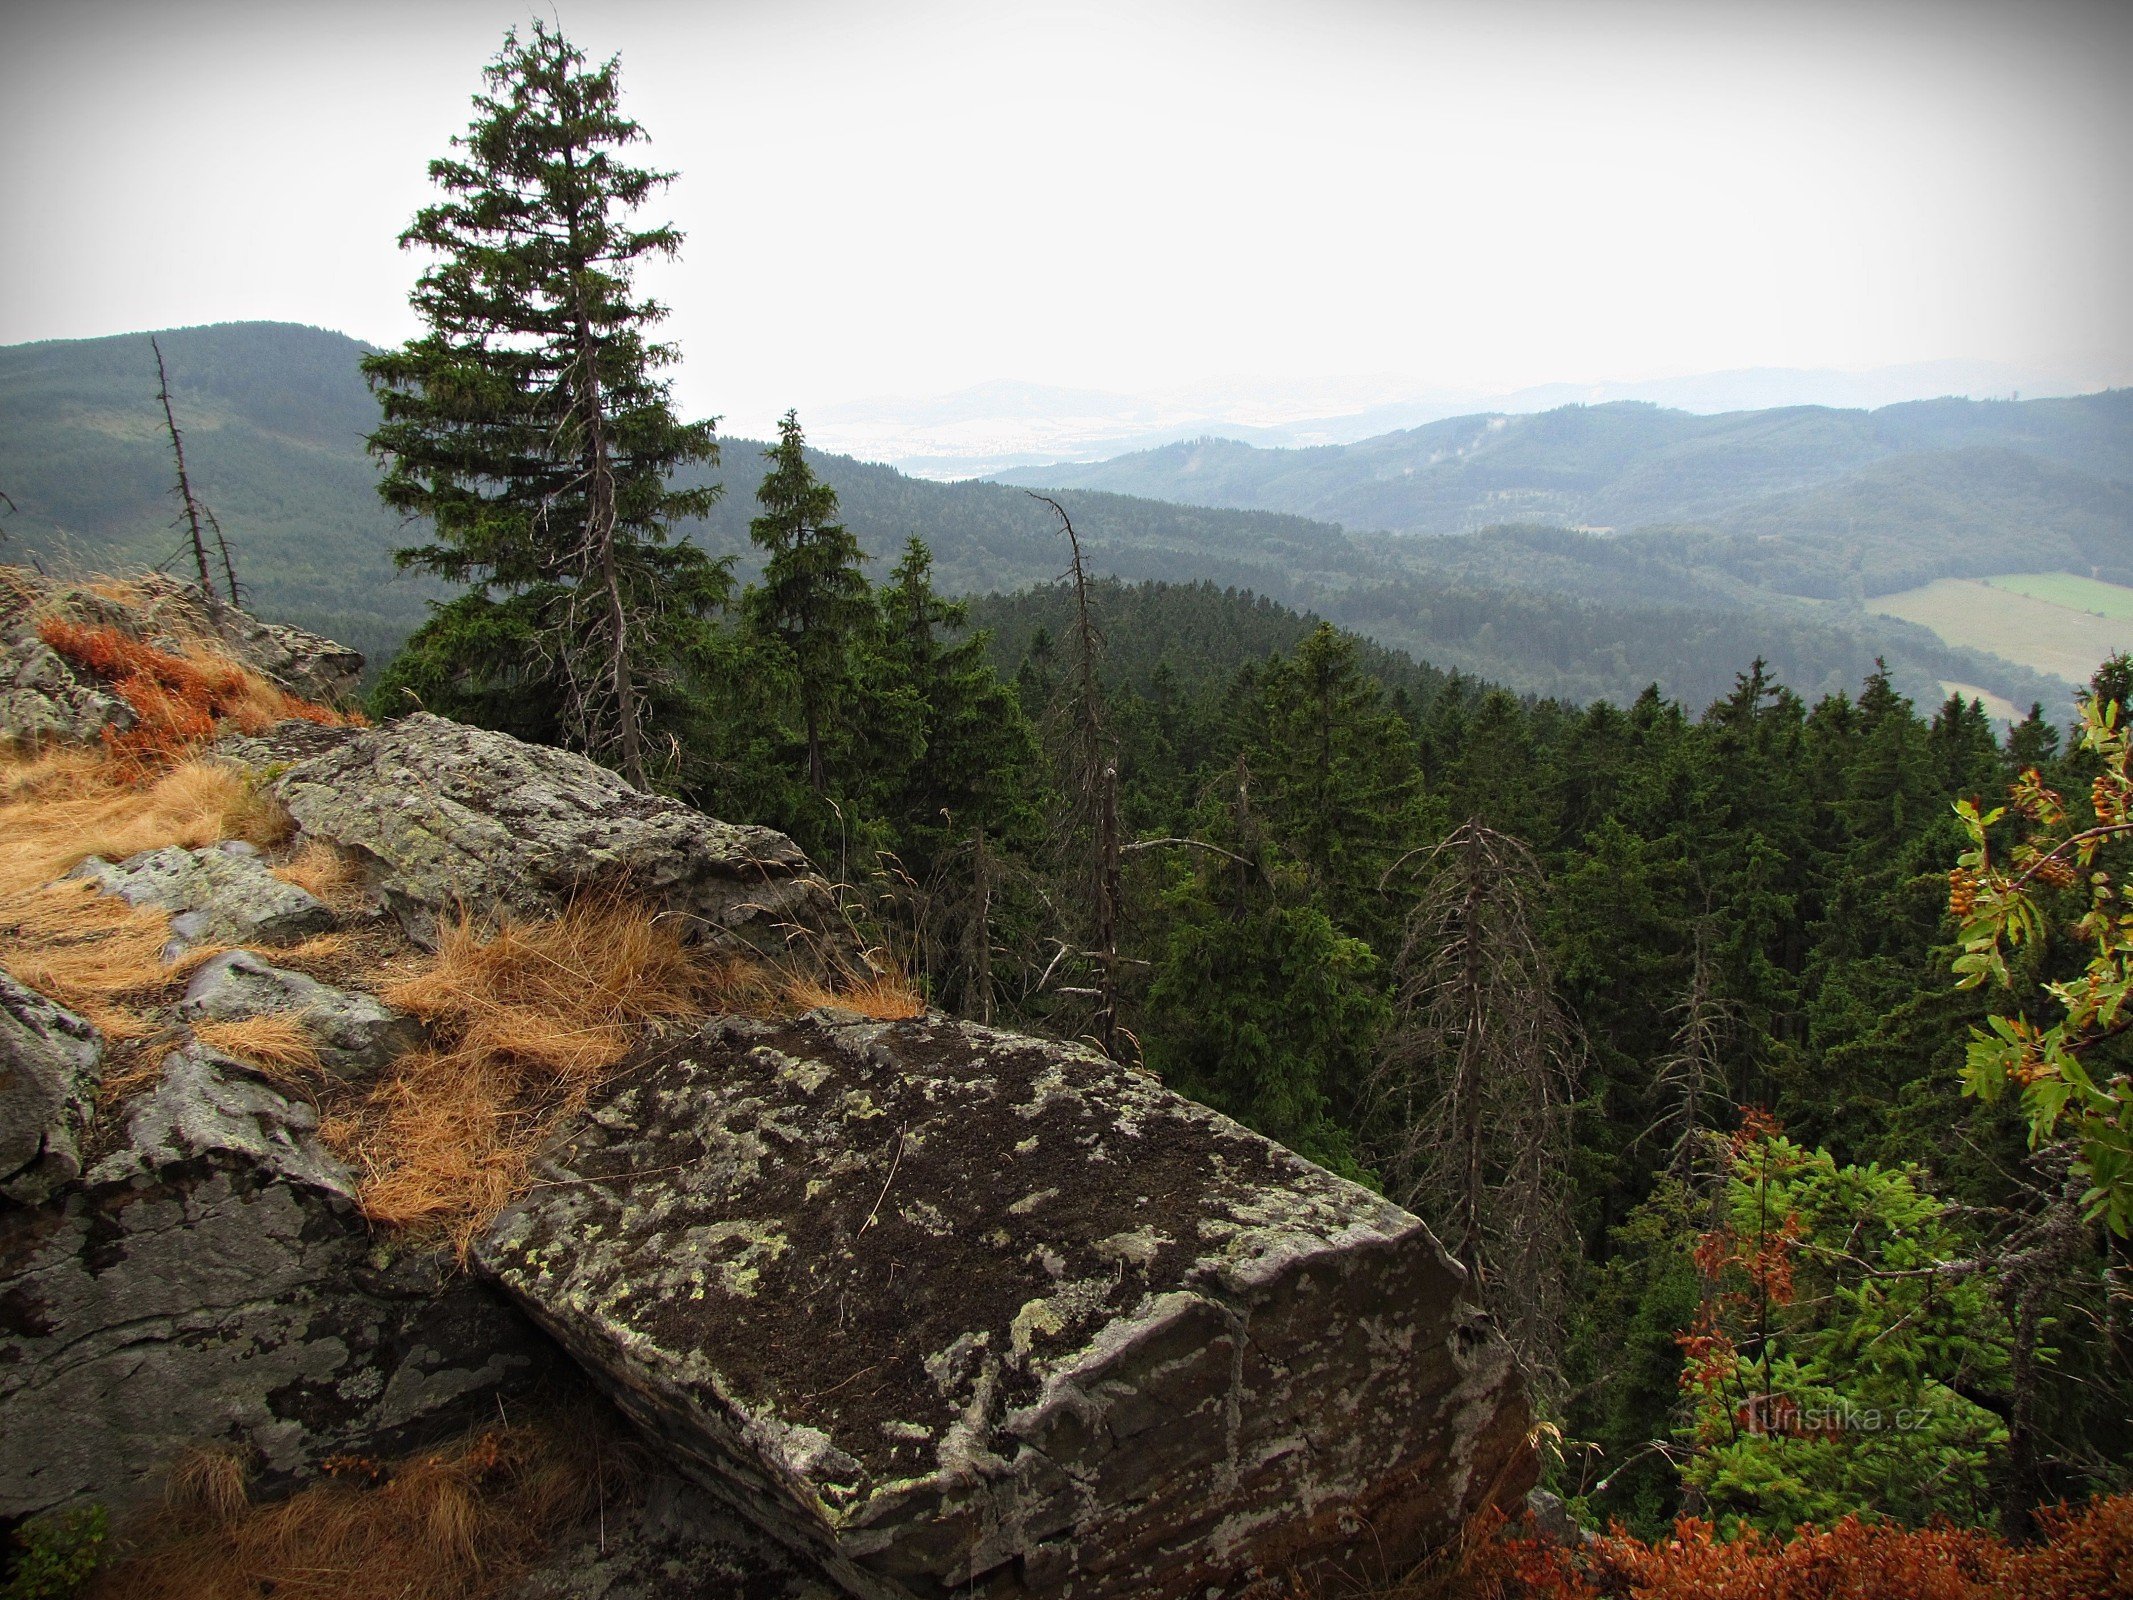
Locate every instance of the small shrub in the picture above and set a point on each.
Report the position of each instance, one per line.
(56, 1554)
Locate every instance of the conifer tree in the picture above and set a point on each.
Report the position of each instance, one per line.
(1337, 770)
(976, 752)
(812, 598)
(529, 424)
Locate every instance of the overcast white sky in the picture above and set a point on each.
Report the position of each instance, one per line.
(907, 198)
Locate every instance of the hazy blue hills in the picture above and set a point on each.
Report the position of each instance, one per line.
(1628, 465)
(275, 417)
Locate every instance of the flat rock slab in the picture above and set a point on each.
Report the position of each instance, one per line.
(961, 1312)
(221, 895)
(355, 1033)
(447, 818)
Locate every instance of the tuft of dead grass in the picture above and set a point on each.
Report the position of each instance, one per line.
(277, 1044)
(58, 807)
(533, 1017)
(210, 1483)
(326, 872)
(884, 996)
(89, 951)
(456, 1523)
(95, 955)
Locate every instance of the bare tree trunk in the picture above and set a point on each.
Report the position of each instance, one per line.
(600, 518)
(1096, 783)
(1107, 900)
(817, 768)
(185, 482)
(222, 547)
(981, 920)
(2033, 1265)
(1473, 1056)
(598, 552)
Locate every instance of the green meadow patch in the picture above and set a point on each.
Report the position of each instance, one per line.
(2052, 622)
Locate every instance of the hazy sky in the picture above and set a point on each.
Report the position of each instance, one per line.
(907, 198)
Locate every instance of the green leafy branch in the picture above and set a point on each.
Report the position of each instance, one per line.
(2057, 1069)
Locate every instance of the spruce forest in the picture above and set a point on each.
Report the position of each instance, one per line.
(1762, 1061)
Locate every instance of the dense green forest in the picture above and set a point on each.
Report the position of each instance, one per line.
(1714, 918)
(275, 419)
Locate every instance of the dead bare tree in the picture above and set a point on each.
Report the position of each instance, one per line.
(1466, 1114)
(1691, 1076)
(192, 511)
(1093, 785)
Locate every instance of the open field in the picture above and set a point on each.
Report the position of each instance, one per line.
(2055, 638)
(2113, 600)
(1997, 706)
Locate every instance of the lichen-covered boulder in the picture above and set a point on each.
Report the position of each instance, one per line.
(965, 1313)
(446, 817)
(210, 1284)
(355, 1034)
(50, 1060)
(221, 895)
(45, 697)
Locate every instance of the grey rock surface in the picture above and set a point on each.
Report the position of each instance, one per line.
(356, 1034)
(446, 817)
(50, 1061)
(210, 1283)
(960, 1312)
(221, 895)
(44, 696)
(674, 1542)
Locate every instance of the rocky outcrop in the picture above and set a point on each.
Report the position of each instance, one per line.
(672, 1542)
(210, 1283)
(447, 818)
(355, 1034)
(44, 696)
(926, 1307)
(960, 1312)
(49, 1064)
(224, 894)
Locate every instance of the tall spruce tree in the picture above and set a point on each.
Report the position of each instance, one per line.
(529, 425)
(813, 598)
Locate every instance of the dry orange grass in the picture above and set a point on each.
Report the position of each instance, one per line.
(534, 1017)
(277, 1044)
(884, 996)
(450, 1524)
(90, 951)
(179, 701)
(325, 871)
(94, 954)
(59, 807)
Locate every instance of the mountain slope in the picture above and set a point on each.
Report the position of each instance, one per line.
(275, 417)
(1628, 465)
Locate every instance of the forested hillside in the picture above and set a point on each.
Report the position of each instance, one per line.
(275, 416)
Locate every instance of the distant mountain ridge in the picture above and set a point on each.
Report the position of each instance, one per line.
(275, 417)
(1627, 465)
